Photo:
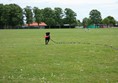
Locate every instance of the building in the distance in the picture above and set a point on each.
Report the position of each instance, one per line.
(36, 25)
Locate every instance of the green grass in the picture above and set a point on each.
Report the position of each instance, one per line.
(24, 58)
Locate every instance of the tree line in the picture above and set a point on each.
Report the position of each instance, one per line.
(13, 16)
(95, 18)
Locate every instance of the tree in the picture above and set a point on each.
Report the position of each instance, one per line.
(29, 15)
(58, 16)
(112, 21)
(86, 21)
(1, 16)
(49, 15)
(16, 15)
(95, 17)
(79, 23)
(70, 17)
(11, 16)
(109, 21)
(106, 21)
(38, 15)
(5, 16)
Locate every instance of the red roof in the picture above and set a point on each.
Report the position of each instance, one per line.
(42, 24)
(36, 24)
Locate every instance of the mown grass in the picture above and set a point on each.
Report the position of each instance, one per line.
(24, 58)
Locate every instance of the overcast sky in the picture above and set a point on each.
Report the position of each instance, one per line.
(81, 7)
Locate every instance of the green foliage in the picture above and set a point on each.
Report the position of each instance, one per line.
(70, 16)
(11, 15)
(95, 16)
(38, 15)
(86, 22)
(58, 16)
(24, 57)
(105, 21)
(1, 16)
(79, 23)
(110, 21)
(29, 15)
(16, 15)
(49, 15)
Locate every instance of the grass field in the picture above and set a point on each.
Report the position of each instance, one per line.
(24, 58)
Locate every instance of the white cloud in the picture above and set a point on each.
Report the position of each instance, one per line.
(77, 2)
(63, 2)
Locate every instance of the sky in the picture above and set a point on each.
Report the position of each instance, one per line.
(81, 7)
